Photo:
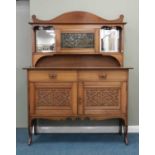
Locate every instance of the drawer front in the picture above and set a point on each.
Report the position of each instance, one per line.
(104, 75)
(52, 75)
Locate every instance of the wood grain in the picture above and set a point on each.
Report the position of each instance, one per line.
(82, 83)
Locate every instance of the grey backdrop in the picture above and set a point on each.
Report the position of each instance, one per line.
(50, 8)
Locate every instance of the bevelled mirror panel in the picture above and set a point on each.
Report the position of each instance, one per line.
(110, 39)
(45, 39)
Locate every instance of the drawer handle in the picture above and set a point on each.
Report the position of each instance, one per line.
(52, 75)
(103, 76)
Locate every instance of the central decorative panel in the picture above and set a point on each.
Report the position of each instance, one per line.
(53, 96)
(77, 40)
(102, 96)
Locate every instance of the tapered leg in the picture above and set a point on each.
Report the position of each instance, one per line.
(125, 132)
(120, 126)
(30, 132)
(35, 126)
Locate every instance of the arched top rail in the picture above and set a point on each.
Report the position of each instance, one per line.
(77, 17)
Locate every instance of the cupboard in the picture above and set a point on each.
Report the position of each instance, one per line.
(77, 70)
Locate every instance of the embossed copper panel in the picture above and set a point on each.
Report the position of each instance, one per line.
(77, 40)
(102, 96)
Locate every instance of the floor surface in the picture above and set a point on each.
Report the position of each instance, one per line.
(76, 144)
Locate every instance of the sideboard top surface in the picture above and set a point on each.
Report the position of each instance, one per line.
(78, 68)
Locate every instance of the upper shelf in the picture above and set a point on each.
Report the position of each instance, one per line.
(78, 17)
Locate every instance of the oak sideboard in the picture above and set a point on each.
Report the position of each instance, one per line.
(78, 70)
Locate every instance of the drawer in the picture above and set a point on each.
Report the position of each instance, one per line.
(104, 75)
(52, 75)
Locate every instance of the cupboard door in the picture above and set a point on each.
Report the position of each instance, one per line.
(102, 97)
(51, 99)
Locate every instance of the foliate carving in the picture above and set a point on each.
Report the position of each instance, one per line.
(102, 96)
(53, 96)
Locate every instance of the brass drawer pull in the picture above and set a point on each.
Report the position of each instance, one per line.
(103, 76)
(52, 75)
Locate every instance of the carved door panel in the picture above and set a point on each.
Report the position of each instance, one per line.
(52, 99)
(101, 98)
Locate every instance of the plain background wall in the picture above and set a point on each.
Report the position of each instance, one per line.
(107, 9)
(23, 58)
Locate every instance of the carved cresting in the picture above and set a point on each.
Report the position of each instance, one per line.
(102, 96)
(53, 96)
